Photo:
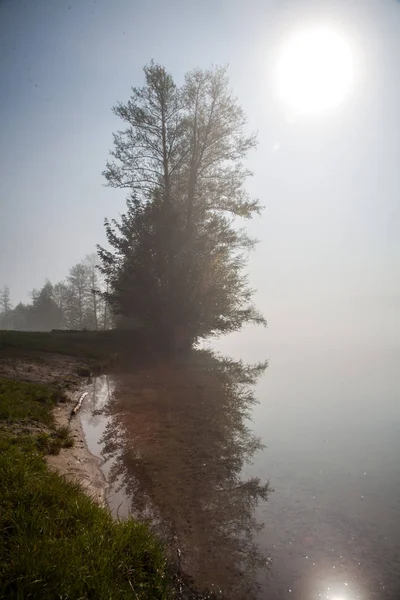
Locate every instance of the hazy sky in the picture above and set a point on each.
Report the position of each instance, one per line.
(329, 252)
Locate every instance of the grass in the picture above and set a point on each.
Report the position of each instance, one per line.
(94, 345)
(86, 345)
(97, 349)
(26, 402)
(55, 542)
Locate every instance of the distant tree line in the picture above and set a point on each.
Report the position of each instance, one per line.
(75, 303)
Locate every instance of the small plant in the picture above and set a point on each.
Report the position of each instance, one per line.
(68, 443)
(48, 443)
(52, 442)
(63, 433)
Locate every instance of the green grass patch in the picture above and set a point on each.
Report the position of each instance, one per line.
(24, 402)
(55, 542)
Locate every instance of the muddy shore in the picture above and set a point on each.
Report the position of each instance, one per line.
(77, 463)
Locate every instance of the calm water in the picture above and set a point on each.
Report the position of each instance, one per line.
(330, 418)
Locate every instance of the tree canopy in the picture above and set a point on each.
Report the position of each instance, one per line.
(177, 257)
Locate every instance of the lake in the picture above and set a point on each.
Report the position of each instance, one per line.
(179, 449)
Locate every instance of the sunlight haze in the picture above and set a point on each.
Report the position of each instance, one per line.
(315, 70)
(329, 230)
(319, 85)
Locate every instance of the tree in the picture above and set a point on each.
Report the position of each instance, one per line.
(177, 254)
(139, 285)
(215, 145)
(104, 309)
(60, 295)
(149, 153)
(21, 317)
(77, 295)
(75, 303)
(44, 312)
(5, 307)
(91, 264)
(85, 302)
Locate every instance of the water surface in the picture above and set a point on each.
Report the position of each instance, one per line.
(175, 440)
(177, 449)
(331, 417)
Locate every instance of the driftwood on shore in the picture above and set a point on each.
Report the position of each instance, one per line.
(78, 404)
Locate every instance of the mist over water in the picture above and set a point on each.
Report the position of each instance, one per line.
(329, 414)
(329, 417)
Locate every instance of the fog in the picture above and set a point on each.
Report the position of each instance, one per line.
(327, 262)
(325, 270)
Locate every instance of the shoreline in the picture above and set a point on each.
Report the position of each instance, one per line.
(41, 471)
(78, 464)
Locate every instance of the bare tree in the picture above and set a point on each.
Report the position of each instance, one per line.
(216, 144)
(78, 291)
(5, 307)
(60, 294)
(149, 151)
(91, 263)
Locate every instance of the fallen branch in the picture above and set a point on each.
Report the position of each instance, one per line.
(79, 404)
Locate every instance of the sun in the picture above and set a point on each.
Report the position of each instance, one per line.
(314, 70)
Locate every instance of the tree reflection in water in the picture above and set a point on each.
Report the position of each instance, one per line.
(179, 438)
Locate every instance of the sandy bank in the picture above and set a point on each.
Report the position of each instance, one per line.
(77, 463)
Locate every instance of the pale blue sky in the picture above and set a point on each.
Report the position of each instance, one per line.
(329, 255)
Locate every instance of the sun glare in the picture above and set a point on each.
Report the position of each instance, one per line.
(314, 70)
